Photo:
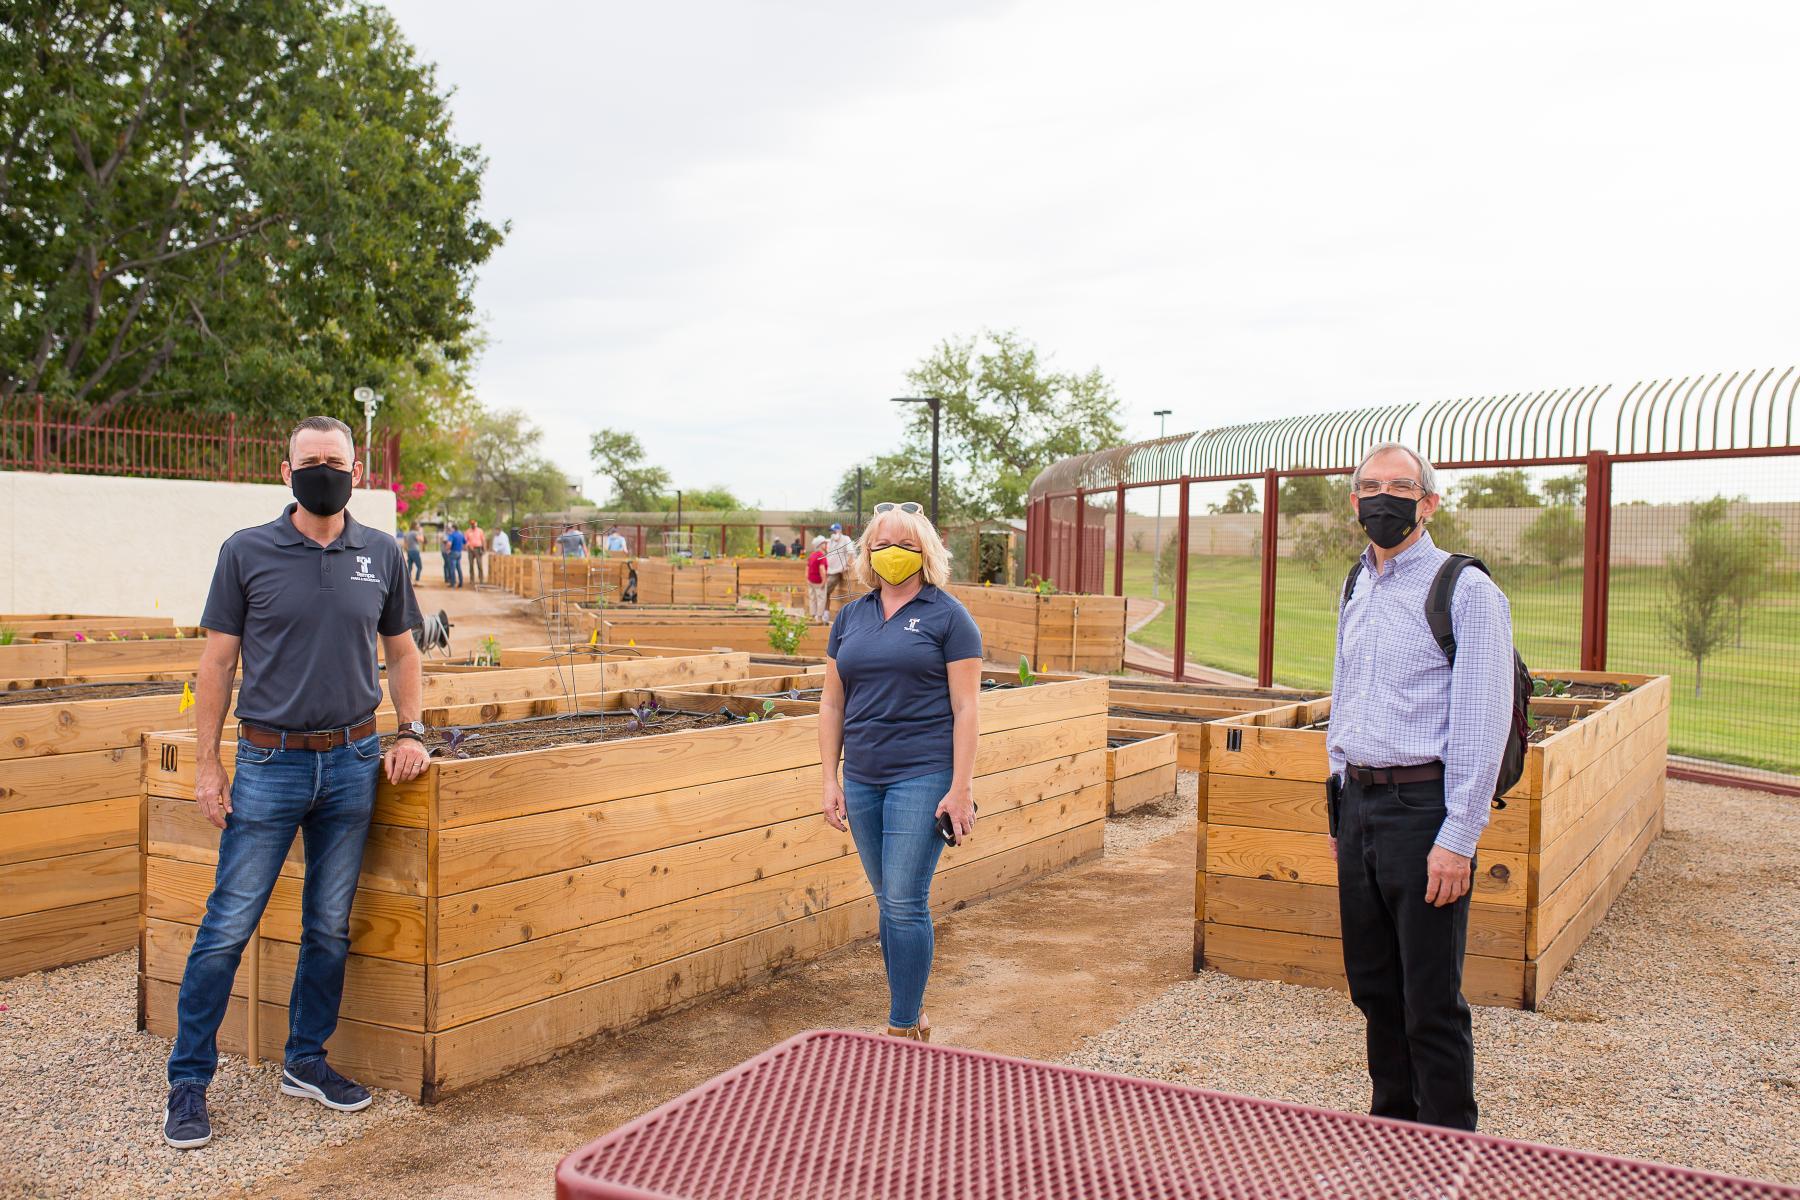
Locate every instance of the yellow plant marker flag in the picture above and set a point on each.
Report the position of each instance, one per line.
(631, 641)
(187, 698)
(594, 637)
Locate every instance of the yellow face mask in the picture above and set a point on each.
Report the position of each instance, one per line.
(897, 564)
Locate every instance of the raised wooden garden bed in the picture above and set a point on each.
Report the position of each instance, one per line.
(51, 659)
(1057, 632)
(749, 633)
(1184, 709)
(512, 906)
(784, 664)
(1140, 769)
(622, 666)
(1547, 868)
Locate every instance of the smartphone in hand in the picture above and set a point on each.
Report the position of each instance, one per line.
(947, 827)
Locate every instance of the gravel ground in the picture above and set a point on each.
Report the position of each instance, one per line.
(1674, 1035)
(1154, 822)
(85, 1096)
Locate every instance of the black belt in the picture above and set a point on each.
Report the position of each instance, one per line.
(320, 739)
(1382, 776)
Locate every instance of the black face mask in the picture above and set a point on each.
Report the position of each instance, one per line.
(323, 490)
(1387, 519)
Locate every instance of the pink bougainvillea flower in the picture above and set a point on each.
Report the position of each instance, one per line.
(401, 506)
(419, 489)
(395, 487)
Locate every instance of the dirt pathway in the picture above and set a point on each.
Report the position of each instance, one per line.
(1016, 975)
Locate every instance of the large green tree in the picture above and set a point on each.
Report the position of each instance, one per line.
(507, 471)
(253, 204)
(619, 456)
(899, 477)
(1007, 414)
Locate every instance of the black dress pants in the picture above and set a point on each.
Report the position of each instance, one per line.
(1404, 957)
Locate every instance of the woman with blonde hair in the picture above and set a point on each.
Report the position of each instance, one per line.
(902, 685)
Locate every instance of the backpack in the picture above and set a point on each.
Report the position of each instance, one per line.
(1437, 616)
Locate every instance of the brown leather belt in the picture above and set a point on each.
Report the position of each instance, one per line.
(322, 739)
(1382, 776)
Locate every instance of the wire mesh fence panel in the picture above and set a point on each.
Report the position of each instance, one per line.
(1151, 521)
(1704, 576)
(1224, 591)
(1319, 540)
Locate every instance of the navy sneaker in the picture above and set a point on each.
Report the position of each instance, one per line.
(185, 1123)
(318, 1081)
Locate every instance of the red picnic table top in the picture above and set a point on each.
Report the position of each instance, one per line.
(830, 1115)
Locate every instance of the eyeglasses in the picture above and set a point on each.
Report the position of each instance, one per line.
(905, 506)
(1408, 489)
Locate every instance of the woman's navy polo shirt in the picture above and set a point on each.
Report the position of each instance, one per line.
(897, 718)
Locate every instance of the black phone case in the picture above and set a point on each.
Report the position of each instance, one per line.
(1334, 798)
(946, 830)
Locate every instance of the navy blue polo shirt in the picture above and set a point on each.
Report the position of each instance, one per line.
(897, 718)
(308, 615)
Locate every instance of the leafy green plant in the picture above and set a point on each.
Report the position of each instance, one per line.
(455, 743)
(765, 713)
(1549, 687)
(488, 654)
(8, 636)
(785, 630)
(1040, 585)
(1026, 678)
(642, 715)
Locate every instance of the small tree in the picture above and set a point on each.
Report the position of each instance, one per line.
(1555, 537)
(1240, 499)
(1699, 586)
(1566, 489)
(1498, 489)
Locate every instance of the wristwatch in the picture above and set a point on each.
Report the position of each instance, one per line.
(412, 729)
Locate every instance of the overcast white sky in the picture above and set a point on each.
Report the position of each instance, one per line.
(736, 225)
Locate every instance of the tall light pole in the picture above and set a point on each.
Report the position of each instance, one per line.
(937, 403)
(1156, 539)
(859, 483)
(367, 397)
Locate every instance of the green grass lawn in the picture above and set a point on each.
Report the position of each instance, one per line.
(1749, 712)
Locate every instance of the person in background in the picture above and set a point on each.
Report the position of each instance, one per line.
(1415, 748)
(839, 551)
(453, 551)
(501, 544)
(302, 602)
(615, 541)
(415, 561)
(795, 548)
(815, 582)
(476, 541)
(901, 704)
(779, 549)
(571, 543)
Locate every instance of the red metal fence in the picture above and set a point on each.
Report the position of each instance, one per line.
(40, 435)
(1586, 592)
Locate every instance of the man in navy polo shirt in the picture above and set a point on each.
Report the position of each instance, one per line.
(302, 599)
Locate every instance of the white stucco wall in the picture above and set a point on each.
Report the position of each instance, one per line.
(131, 547)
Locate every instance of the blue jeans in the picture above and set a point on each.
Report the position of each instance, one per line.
(326, 796)
(895, 827)
(453, 569)
(415, 564)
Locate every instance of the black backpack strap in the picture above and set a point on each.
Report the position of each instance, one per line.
(1437, 600)
(1350, 583)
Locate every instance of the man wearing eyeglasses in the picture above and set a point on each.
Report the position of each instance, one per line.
(1415, 747)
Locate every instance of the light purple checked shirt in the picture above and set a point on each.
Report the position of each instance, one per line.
(1396, 702)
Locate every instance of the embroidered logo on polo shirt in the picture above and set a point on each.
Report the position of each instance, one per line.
(912, 625)
(362, 570)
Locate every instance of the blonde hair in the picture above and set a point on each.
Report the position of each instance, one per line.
(898, 523)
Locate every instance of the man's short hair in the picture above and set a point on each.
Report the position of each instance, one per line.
(1427, 473)
(325, 425)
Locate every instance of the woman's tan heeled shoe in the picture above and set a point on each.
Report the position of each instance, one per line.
(918, 1033)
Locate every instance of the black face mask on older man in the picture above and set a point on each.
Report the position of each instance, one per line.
(1388, 520)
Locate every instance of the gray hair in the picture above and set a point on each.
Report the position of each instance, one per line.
(1427, 472)
(324, 425)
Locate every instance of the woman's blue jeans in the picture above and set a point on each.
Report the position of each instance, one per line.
(327, 796)
(895, 827)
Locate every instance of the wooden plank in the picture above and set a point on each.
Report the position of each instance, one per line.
(1541, 973)
(169, 772)
(68, 829)
(372, 1054)
(393, 858)
(1500, 877)
(1578, 882)
(509, 785)
(1137, 791)
(47, 883)
(1561, 809)
(1624, 803)
(382, 924)
(1319, 962)
(72, 726)
(1273, 754)
(1299, 805)
(56, 937)
(494, 1045)
(1495, 930)
(489, 918)
(379, 991)
(134, 657)
(524, 973)
(34, 660)
(494, 852)
(49, 780)
(1143, 754)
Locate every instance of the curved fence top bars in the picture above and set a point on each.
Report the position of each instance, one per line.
(1735, 410)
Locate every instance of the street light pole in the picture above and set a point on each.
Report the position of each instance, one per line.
(937, 403)
(1156, 538)
(367, 397)
(859, 483)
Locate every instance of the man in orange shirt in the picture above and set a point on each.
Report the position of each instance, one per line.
(477, 544)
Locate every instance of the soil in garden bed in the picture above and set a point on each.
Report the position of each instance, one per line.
(1583, 691)
(64, 693)
(537, 733)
